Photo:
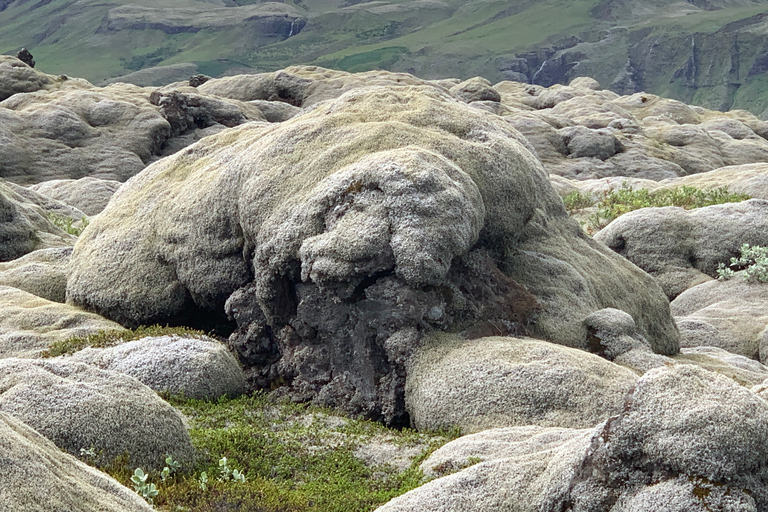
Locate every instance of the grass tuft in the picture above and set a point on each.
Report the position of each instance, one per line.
(110, 338)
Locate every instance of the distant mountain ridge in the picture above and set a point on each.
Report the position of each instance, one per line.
(708, 52)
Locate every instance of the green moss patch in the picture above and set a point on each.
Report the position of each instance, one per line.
(109, 338)
(294, 457)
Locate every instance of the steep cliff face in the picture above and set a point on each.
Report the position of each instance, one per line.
(721, 69)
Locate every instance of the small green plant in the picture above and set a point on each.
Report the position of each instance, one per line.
(614, 203)
(67, 224)
(753, 260)
(171, 469)
(203, 480)
(226, 473)
(142, 488)
(88, 454)
(576, 200)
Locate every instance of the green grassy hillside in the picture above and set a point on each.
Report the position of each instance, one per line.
(709, 52)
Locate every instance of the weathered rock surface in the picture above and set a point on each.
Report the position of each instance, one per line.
(637, 136)
(39, 477)
(683, 248)
(730, 314)
(42, 273)
(741, 369)
(62, 128)
(25, 225)
(711, 457)
(497, 382)
(202, 369)
(16, 77)
(410, 212)
(89, 195)
(30, 324)
(76, 405)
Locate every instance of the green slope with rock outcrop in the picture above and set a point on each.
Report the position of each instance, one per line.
(707, 52)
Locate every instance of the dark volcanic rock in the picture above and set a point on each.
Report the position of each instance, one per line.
(26, 57)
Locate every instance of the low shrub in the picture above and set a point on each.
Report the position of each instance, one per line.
(753, 260)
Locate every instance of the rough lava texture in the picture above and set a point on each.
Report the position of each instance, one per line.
(686, 438)
(682, 248)
(201, 369)
(66, 128)
(76, 405)
(39, 477)
(29, 324)
(495, 382)
(336, 239)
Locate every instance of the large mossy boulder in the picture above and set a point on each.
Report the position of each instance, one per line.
(30, 324)
(335, 240)
(683, 248)
(687, 440)
(498, 382)
(77, 405)
(39, 477)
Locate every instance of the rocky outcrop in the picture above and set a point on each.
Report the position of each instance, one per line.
(264, 22)
(684, 248)
(76, 405)
(200, 369)
(60, 481)
(410, 212)
(648, 456)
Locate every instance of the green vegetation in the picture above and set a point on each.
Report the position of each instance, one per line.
(382, 58)
(753, 260)
(109, 338)
(614, 203)
(292, 458)
(68, 223)
(152, 58)
(148, 491)
(446, 39)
